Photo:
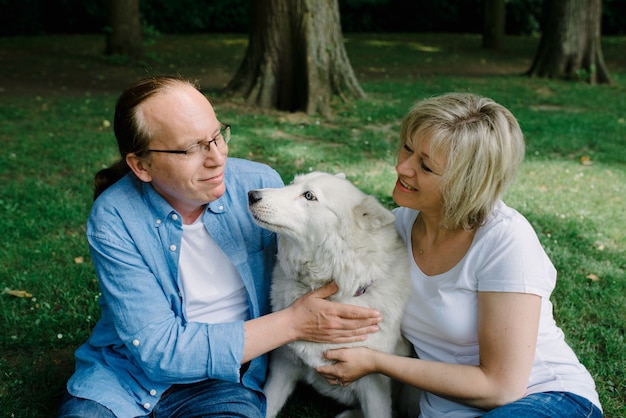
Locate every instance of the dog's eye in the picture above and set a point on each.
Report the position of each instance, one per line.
(308, 195)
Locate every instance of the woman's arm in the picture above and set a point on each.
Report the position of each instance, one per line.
(507, 334)
(311, 318)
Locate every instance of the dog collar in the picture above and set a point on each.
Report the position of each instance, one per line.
(361, 290)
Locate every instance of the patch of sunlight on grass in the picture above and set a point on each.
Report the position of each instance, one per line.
(567, 189)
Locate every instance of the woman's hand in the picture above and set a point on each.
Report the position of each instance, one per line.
(316, 319)
(349, 364)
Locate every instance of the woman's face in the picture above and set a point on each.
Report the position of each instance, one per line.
(179, 118)
(419, 177)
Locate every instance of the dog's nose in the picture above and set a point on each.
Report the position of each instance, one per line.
(253, 197)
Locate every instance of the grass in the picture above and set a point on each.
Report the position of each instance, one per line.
(55, 134)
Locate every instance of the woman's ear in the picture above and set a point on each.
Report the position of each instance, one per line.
(139, 167)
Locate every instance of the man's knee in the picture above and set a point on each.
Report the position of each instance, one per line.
(73, 407)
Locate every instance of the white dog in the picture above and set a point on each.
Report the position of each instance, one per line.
(330, 230)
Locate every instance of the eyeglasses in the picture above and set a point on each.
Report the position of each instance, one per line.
(221, 139)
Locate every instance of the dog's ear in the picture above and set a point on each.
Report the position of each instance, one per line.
(371, 215)
(341, 175)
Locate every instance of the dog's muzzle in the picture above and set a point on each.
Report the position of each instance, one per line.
(254, 196)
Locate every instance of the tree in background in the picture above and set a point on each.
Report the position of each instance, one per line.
(296, 59)
(570, 45)
(493, 25)
(124, 34)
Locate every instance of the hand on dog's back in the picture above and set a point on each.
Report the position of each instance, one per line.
(331, 322)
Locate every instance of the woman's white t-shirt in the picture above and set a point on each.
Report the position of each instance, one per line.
(441, 318)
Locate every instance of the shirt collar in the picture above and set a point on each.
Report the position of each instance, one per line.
(163, 209)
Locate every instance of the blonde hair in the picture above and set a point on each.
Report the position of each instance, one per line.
(483, 145)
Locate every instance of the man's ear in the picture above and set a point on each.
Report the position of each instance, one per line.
(139, 167)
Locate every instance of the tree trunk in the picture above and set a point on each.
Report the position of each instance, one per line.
(570, 45)
(124, 37)
(493, 28)
(296, 59)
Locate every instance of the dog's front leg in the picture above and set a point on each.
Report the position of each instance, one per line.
(284, 373)
(374, 393)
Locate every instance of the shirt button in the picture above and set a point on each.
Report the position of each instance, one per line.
(172, 247)
(220, 207)
(175, 217)
(136, 343)
(146, 405)
(158, 222)
(153, 392)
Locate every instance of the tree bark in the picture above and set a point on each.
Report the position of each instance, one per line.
(494, 24)
(296, 59)
(125, 34)
(570, 45)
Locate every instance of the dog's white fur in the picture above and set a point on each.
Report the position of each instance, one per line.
(329, 230)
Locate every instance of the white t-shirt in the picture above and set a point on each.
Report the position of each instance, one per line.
(212, 287)
(441, 319)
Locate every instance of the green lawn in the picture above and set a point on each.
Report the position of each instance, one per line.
(57, 96)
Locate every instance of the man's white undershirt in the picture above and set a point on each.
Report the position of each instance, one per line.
(213, 289)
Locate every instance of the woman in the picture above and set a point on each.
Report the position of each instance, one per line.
(479, 316)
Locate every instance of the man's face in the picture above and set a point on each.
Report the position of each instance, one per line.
(177, 119)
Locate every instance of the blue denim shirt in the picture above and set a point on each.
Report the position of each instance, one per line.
(143, 342)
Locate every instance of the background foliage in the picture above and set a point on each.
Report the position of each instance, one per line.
(37, 17)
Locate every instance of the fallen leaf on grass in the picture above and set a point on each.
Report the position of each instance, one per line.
(585, 160)
(593, 277)
(78, 260)
(17, 293)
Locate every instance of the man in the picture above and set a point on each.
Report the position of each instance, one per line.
(184, 271)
